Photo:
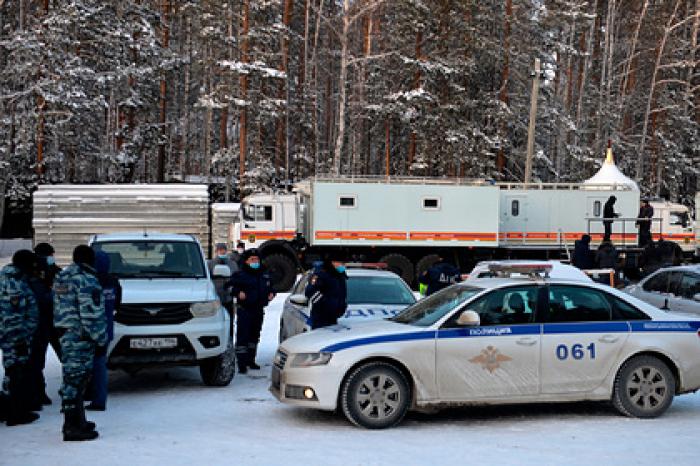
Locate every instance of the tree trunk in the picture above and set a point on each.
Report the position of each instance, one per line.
(503, 91)
(283, 94)
(342, 88)
(243, 82)
(416, 85)
(160, 172)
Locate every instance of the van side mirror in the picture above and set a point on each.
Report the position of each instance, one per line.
(221, 271)
(468, 318)
(299, 299)
(696, 297)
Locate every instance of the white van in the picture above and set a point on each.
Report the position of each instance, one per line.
(170, 313)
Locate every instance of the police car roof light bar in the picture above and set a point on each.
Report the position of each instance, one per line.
(367, 265)
(533, 270)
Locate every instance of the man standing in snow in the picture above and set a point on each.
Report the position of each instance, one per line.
(327, 293)
(253, 289)
(79, 316)
(608, 216)
(645, 211)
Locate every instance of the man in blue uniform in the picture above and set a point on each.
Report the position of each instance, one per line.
(112, 295)
(19, 318)
(441, 275)
(252, 288)
(80, 317)
(327, 293)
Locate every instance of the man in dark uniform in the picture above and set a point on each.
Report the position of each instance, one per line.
(645, 211)
(608, 216)
(79, 315)
(253, 289)
(441, 275)
(328, 293)
(19, 318)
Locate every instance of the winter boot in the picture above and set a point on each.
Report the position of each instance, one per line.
(87, 424)
(242, 359)
(252, 353)
(73, 428)
(17, 406)
(17, 418)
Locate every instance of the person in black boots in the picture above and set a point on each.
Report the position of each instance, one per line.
(19, 318)
(79, 315)
(252, 288)
(327, 292)
(45, 252)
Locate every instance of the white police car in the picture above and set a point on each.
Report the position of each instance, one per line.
(491, 341)
(372, 294)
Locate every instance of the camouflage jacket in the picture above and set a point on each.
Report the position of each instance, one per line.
(19, 314)
(79, 304)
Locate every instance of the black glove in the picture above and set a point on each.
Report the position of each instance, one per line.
(100, 350)
(22, 349)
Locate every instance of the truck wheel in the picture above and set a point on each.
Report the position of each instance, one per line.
(376, 395)
(283, 272)
(644, 387)
(400, 265)
(425, 263)
(219, 370)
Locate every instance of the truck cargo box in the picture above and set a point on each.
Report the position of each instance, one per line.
(67, 215)
(401, 213)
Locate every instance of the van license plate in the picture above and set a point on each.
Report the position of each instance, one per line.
(153, 343)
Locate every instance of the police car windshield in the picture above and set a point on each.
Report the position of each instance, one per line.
(431, 309)
(154, 259)
(378, 290)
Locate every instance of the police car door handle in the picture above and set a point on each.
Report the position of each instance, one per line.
(527, 341)
(608, 339)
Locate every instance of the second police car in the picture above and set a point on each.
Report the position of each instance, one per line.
(496, 341)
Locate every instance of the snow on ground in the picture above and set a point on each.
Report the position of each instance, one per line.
(167, 417)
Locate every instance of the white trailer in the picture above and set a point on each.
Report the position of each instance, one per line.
(68, 215)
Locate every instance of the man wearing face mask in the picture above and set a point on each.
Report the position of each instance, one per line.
(41, 284)
(253, 289)
(238, 253)
(327, 293)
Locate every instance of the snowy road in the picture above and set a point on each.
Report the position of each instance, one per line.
(166, 417)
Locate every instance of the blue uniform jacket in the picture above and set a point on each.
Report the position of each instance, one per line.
(255, 284)
(327, 293)
(439, 276)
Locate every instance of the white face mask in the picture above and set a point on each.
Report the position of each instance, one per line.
(240, 250)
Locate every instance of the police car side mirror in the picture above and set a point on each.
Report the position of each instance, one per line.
(299, 299)
(468, 319)
(221, 271)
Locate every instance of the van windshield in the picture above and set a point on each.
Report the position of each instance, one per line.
(154, 259)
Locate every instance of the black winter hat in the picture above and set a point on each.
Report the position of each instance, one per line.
(25, 260)
(44, 249)
(83, 254)
(250, 252)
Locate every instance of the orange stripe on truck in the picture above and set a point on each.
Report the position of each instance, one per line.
(270, 234)
(354, 235)
(452, 236)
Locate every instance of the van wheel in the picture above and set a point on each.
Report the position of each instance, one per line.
(376, 395)
(400, 265)
(283, 272)
(644, 387)
(219, 370)
(425, 263)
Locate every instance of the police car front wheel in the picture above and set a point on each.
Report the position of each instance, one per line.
(644, 387)
(375, 395)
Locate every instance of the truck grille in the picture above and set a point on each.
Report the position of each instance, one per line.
(153, 314)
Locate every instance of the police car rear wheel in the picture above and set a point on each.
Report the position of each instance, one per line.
(644, 387)
(375, 395)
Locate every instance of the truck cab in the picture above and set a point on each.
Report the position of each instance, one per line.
(170, 313)
(265, 217)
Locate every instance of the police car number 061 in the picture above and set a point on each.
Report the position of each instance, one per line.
(153, 343)
(577, 351)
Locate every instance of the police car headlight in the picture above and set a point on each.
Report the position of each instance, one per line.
(311, 359)
(205, 309)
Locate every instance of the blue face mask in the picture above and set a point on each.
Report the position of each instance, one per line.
(340, 268)
(254, 265)
(50, 260)
(223, 256)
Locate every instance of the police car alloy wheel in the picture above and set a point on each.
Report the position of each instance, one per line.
(376, 395)
(644, 387)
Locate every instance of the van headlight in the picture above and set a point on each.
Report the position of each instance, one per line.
(205, 309)
(310, 359)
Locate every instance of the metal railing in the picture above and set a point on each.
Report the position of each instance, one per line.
(623, 221)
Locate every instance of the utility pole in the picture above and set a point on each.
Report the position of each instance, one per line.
(533, 119)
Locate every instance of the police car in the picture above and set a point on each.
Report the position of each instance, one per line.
(496, 340)
(373, 294)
